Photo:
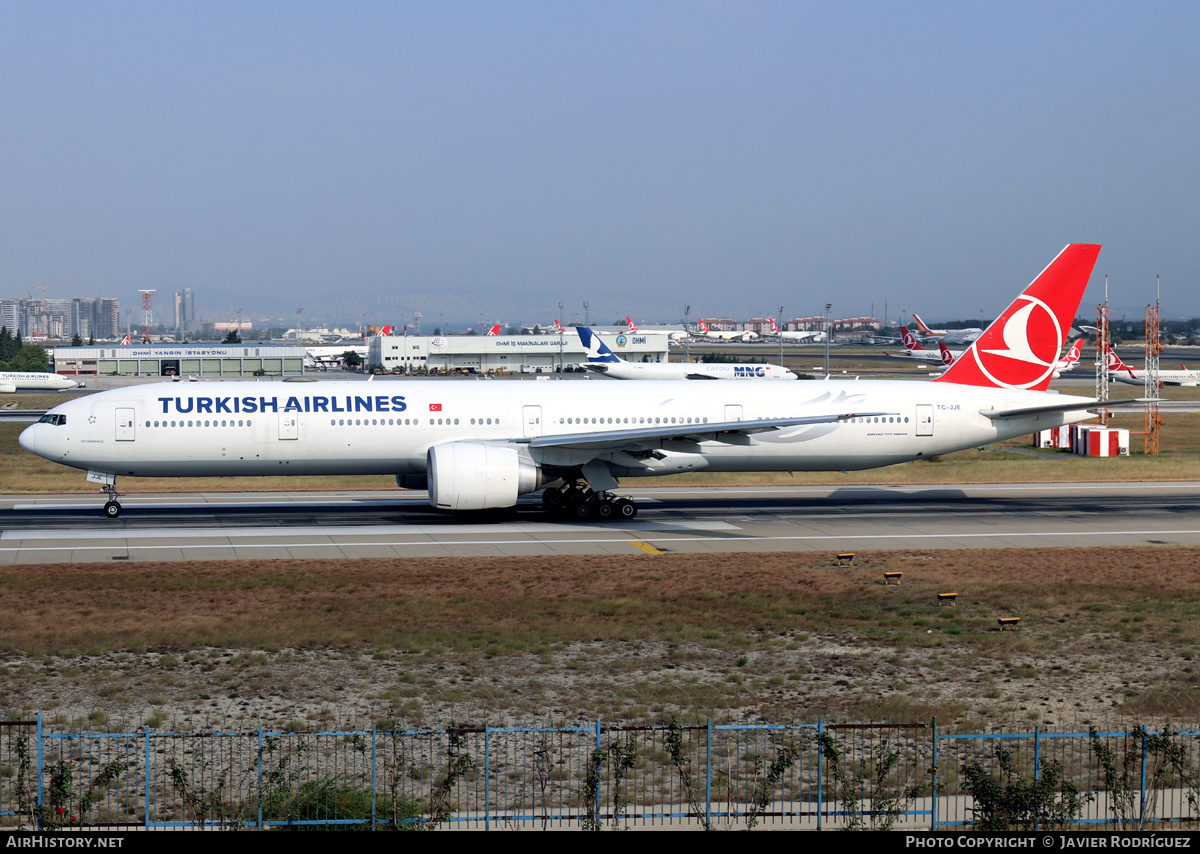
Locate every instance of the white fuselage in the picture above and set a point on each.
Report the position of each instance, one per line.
(1131, 377)
(11, 381)
(622, 370)
(924, 355)
(387, 427)
(800, 337)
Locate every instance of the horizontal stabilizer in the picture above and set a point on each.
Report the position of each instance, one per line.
(1088, 405)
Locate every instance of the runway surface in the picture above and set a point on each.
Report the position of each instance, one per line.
(350, 525)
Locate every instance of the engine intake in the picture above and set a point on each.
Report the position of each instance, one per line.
(468, 476)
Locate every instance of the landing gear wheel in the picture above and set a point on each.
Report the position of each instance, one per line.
(626, 509)
(604, 511)
(577, 497)
(552, 499)
(112, 509)
(583, 510)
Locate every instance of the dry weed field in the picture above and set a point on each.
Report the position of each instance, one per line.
(1106, 636)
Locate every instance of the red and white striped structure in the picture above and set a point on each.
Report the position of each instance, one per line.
(1055, 437)
(1095, 440)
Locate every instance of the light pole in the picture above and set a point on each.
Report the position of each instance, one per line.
(687, 335)
(586, 321)
(558, 323)
(828, 335)
(781, 336)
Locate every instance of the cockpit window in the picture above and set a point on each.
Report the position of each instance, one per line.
(56, 420)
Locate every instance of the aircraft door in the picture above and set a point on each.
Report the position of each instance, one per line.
(733, 412)
(924, 419)
(289, 426)
(531, 419)
(126, 425)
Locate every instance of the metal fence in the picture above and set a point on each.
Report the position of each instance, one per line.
(596, 775)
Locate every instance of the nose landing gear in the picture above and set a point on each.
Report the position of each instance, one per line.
(112, 507)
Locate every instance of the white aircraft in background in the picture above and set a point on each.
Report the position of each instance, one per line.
(789, 335)
(324, 357)
(950, 336)
(672, 337)
(602, 360)
(14, 381)
(483, 445)
(705, 332)
(1121, 372)
(914, 350)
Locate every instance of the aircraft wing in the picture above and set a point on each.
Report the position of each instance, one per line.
(731, 432)
(997, 415)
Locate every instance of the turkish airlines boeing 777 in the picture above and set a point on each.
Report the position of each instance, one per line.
(478, 445)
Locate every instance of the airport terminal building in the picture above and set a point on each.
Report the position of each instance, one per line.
(524, 354)
(171, 360)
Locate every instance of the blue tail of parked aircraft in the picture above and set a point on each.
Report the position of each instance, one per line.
(597, 350)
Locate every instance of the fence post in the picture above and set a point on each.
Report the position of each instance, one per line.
(146, 788)
(374, 771)
(260, 782)
(708, 779)
(487, 789)
(40, 761)
(820, 767)
(1037, 759)
(1142, 794)
(597, 764)
(934, 792)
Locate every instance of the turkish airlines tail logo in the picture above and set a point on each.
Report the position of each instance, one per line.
(385, 331)
(1115, 363)
(910, 340)
(1021, 347)
(947, 356)
(703, 326)
(495, 330)
(774, 328)
(1072, 357)
(558, 327)
(125, 340)
(632, 327)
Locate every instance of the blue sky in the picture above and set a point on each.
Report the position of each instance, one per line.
(484, 160)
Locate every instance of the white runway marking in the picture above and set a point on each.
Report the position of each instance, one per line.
(620, 534)
(367, 531)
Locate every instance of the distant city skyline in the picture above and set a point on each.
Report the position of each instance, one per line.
(369, 160)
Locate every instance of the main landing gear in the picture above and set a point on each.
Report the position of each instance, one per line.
(580, 502)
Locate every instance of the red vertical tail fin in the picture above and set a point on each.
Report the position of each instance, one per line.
(1021, 347)
(910, 340)
(925, 330)
(1115, 363)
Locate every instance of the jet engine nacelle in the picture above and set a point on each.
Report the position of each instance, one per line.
(468, 476)
(8, 388)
